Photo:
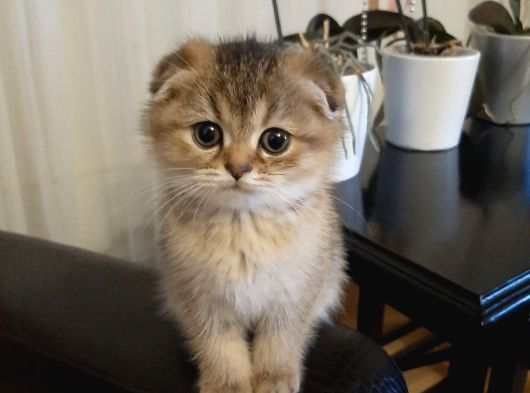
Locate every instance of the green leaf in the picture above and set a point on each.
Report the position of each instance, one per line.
(494, 15)
(432, 24)
(437, 31)
(434, 27)
(380, 24)
(315, 27)
(515, 5)
(415, 32)
(442, 37)
(294, 38)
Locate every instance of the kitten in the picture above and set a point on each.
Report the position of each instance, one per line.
(246, 133)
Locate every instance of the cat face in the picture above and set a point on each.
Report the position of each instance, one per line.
(244, 125)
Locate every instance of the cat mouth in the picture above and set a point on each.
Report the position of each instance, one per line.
(239, 187)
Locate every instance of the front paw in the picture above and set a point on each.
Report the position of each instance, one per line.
(225, 388)
(284, 383)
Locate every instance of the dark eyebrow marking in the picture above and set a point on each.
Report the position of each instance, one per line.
(271, 110)
(213, 105)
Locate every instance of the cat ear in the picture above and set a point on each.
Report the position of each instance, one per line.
(192, 55)
(324, 83)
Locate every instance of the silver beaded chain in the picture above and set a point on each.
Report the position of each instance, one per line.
(363, 55)
(412, 6)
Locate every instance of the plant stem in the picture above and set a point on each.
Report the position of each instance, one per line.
(404, 25)
(425, 24)
(277, 21)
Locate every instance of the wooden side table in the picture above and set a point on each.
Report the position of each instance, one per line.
(444, 237)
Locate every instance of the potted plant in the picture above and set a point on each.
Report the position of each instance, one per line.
(503, 83)
(428, 78)
(341, 48)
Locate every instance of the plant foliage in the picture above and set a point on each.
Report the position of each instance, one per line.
(498, 18)
(424, 36)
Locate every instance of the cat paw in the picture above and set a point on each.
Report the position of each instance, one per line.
(276, 384)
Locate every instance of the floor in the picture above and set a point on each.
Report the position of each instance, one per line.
(418, 379)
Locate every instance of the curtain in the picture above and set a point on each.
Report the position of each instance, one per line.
(73, 83)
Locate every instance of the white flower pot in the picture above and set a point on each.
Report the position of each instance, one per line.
(504, 76)
(426, 97)
(349, 154)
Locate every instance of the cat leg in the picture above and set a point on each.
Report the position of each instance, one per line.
(218, 343)
(278, 350)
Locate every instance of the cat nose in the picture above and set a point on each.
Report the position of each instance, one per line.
(238, 170)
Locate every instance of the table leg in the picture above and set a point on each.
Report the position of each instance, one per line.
(370, 313)
(507, 376)
(467, 371)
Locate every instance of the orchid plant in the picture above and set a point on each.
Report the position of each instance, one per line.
(425, 36)
(495, 16)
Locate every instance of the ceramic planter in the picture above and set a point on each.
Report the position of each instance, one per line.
(503, 83)
(350, 150)
(426, 97)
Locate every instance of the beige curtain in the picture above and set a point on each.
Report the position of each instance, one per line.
(73, 78)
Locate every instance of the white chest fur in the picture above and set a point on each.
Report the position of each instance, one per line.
(247, 261)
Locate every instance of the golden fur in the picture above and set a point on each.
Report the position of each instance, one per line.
(261, 255)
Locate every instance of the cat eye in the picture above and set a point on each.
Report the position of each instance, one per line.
(207, 134)
(275, 140)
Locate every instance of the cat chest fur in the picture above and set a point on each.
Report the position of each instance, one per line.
(248, 261)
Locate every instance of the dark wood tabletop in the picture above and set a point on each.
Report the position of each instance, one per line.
(445, 236)
(461, 216)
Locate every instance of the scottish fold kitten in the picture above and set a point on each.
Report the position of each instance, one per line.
(245, 134)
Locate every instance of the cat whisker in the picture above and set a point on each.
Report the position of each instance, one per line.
(176, 203)
(180, 168)
(354, 210)
(191, 200)
(206, 196)
(170, 190)
(282, 197)
(153, 192)
(168, 214)
(171, 198)
(155, 186)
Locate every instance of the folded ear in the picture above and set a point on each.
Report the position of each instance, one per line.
(195, 54)
(324, 80)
